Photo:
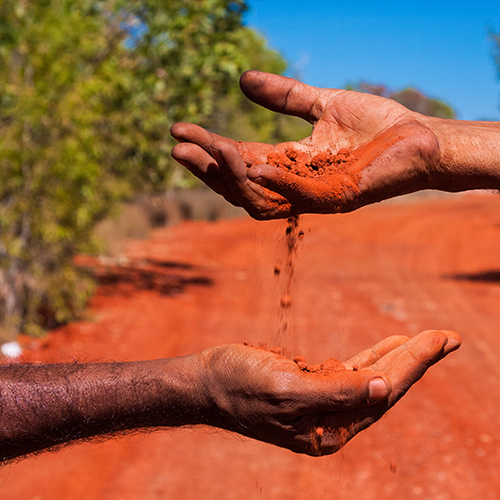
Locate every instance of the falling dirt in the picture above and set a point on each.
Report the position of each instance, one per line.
(390, 269)
(284, 271)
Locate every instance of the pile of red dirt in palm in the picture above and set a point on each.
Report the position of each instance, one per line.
(331, 365)
(305, 165)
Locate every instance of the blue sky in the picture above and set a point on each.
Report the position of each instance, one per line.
(442, 48)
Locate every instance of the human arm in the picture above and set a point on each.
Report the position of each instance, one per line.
(469, 154)
(392, 151)
(239, 388)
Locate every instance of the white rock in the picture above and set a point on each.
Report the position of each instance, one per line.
(11, 349)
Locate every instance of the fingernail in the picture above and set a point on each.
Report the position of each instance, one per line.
(378, 389)
(453, 343)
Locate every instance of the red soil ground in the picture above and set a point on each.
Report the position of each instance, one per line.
(395, 268)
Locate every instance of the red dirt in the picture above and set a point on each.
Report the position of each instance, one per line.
(284, 272)
(327, 175)
(329, 366)
(394, 268)
(305, 165)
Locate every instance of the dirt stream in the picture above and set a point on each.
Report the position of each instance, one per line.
(393, 268)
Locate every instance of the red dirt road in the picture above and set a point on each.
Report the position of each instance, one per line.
(395, 268)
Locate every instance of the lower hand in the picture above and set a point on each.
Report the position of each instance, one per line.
(266, 396)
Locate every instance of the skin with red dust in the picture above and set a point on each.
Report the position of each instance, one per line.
(325, 180)
(325, 369)
(329, 175)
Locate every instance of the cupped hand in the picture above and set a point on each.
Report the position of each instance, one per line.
(315, 410)
(392, 151)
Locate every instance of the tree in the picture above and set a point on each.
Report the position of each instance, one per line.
(410, 98)
(235, 116)
(88, 91)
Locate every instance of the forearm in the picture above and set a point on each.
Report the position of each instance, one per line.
(44, 406)
(469, 154)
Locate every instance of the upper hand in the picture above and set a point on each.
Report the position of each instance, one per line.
(395, 152)
(266, 396)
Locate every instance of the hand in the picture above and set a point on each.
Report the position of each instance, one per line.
(392, 151)
(265, 396)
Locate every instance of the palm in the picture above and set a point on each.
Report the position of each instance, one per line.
(350, 119)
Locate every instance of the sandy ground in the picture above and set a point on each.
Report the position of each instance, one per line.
(394, 268)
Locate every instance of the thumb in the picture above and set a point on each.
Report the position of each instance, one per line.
(343, 390)
(284, 95)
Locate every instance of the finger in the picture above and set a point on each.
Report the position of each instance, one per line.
(285, 95)
(453, 342)
(427, 347)
(234, 172)
(231, 165)
(279, 180)
(251, 152)
(255, 152)
(407, 364)
(372, 355)
(343, 390)
(188, 132)
(203, 166)
(308, 194)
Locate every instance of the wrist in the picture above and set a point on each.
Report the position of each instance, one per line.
(185, 400)
(224, 386)
(469, 154)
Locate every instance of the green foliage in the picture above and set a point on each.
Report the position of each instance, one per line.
(233, 115)
(88, 92)
(416, 101)
(410, 98)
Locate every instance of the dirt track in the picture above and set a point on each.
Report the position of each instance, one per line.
(396, 268)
